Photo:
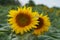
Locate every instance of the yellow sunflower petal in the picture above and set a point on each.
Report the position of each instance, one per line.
(43, 26)
(23, 19)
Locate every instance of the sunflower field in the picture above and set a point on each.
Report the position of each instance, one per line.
(28, 22)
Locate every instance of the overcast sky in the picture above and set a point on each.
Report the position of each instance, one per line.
(49, 3)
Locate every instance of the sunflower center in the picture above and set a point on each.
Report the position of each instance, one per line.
(41, 23)
(23, 19)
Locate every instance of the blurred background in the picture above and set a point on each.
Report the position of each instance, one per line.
(48, 7)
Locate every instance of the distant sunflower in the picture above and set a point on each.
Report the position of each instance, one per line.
(58, 13)
(45, 8)
(50, 10)
(43, 26)
(23, 19)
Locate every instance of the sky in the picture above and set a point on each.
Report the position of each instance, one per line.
(49, 3)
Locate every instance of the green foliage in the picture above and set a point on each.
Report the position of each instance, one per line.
(3, 36)
(54, 30)
(31, 3)
(9, 2)
(3, 13)
(52, 34)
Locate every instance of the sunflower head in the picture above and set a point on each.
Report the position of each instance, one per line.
(23, 19)
(43, 26)
(51, 10)
(58, 13)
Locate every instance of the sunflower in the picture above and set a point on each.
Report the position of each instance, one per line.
(22, 19)
(50, 10)
(45, 8)
(58, 13)
(43, 26)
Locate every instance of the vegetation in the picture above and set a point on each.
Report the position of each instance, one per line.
(53, 13)
(9, 2)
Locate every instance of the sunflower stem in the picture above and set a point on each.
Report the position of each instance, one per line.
(20, 37)
(11, 36)
(32, 37)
